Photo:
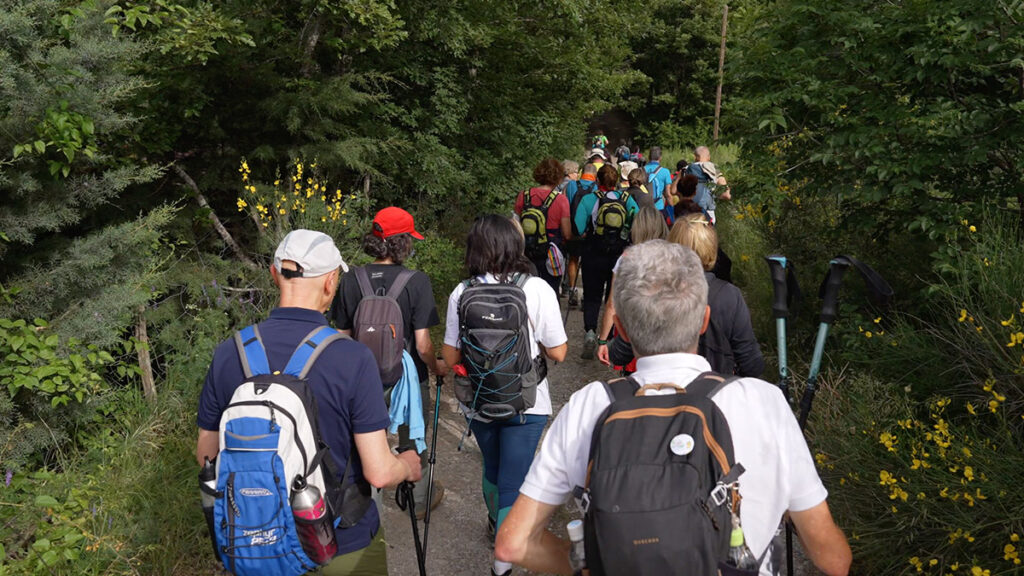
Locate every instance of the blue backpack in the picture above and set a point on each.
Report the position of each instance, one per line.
(269, 436)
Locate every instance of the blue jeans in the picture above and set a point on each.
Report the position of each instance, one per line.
(508, 448)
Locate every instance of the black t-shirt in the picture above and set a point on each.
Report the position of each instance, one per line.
(416, 302)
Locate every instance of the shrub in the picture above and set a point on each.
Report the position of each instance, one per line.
(917, 488)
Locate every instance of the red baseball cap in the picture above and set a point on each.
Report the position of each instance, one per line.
(393, 220)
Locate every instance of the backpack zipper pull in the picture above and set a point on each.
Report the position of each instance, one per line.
(273, 418)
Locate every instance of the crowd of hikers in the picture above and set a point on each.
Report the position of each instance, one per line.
(682, 462)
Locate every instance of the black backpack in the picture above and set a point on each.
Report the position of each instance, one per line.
(581, 193)
(660, 482)
(379, 324)
(494, 334)
(534, 220)
(611, 227)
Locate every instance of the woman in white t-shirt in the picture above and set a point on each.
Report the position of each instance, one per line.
(494, 253)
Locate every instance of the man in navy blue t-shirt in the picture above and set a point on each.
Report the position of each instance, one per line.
(345, 381)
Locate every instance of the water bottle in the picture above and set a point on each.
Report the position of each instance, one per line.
(207, 496)
(577, 553)
(740, 555)
(312, 522)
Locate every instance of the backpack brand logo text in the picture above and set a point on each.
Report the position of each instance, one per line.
(491, 318)
(255, 492)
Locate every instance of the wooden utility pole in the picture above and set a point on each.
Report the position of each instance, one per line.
(721, 72)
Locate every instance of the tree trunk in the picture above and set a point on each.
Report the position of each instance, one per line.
(145, 366)
(224, 234)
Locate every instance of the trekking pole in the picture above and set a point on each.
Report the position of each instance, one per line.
(829, 310)
(780, 309)
(407, 501)
(438, 381)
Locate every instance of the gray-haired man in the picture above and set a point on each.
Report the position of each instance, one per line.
(780, 476)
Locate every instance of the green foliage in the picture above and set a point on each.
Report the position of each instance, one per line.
(93, 288)
(902, 115)
(63, 93)
(49, 388)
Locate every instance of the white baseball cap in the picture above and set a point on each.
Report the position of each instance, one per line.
(314, 253)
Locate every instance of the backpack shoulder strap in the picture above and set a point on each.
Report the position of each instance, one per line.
(620, 388)
(624, 196)
(363, 278)
(398, 285)
(709, 383)
(526, 199)
(520, 279)
(251, 351)
(550, 199)
(310, 349)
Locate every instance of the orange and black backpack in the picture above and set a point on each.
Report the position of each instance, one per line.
(661, 481)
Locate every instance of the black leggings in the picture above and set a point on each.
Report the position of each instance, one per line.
(597, 278)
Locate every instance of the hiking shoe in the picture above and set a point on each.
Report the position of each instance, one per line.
(589, 345)
(505, 573)
(435, 500)
(574, 299)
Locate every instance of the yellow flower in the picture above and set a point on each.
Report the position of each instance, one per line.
(963, 315)
(276, 183)
(867, 334)
(282, 211)
(970, 408)
(968, 473)
(972, 228)
(1014, 537)
(933, 562)
(877, 320)
(978, 571)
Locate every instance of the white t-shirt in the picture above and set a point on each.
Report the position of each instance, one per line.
(780, 473)
(545, 326)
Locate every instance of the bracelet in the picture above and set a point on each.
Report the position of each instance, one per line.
(602, 342)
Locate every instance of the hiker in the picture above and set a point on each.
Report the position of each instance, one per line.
(597, 157)
(659, 178)
(571, 173)
(544, 216)
(708, 179)
(345, 383)
(576, 191)
(390, 243)
(605, 217)
(622, 152)
(729, 343)
(494, 254)
(779, 476)
(686, 189)
(638, 188)
(648, 224)
(600, 140)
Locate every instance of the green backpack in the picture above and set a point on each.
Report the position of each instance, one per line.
(612, 225)
(534, 220)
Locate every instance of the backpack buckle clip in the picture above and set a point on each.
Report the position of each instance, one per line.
(720, 494)
(582, 496)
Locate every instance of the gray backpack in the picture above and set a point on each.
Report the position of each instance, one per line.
(379, 324)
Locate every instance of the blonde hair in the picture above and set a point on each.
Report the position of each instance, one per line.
(648, 224)
(696, 233)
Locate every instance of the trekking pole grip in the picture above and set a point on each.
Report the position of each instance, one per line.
(830, 290)
(777, 266)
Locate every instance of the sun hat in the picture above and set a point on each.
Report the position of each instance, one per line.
(313, 252)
